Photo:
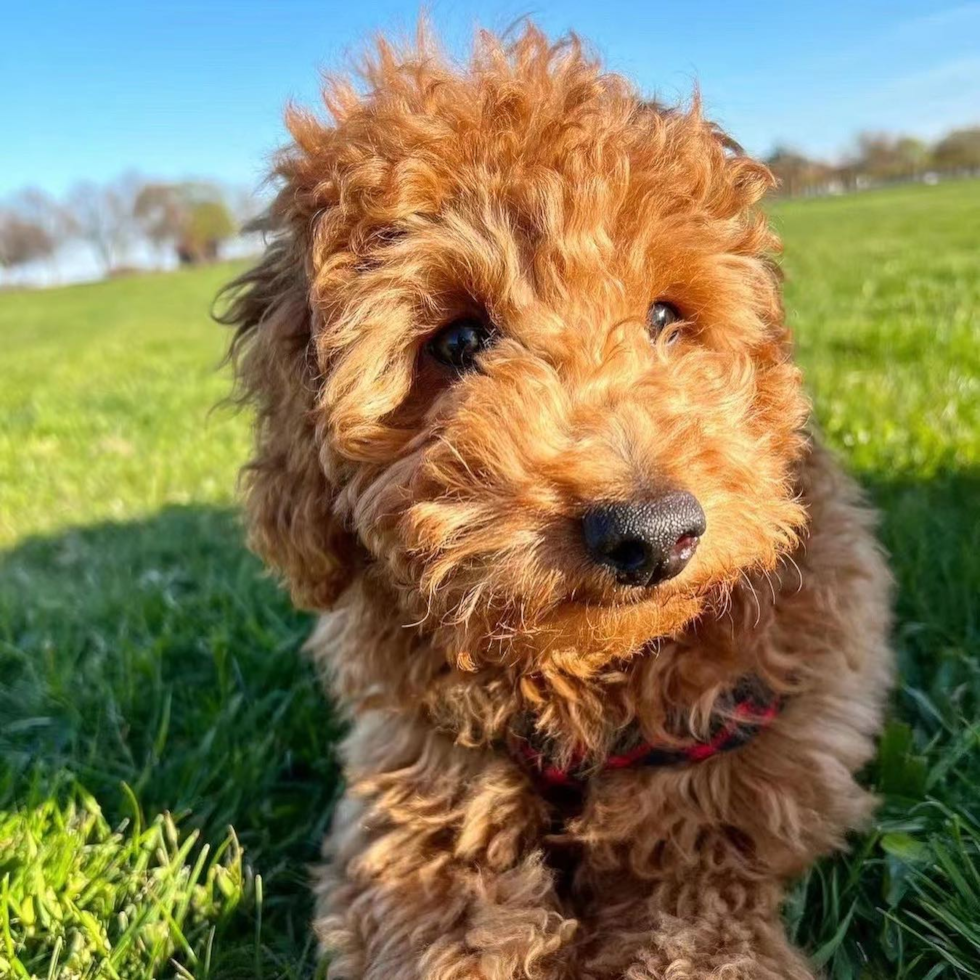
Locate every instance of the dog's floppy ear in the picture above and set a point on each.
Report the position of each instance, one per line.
(288, 498)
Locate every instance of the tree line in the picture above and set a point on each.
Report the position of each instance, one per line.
(191, 219)
(188, 220)
(878, 158)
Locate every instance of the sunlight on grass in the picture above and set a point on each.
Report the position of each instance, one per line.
(148, 665)
(76, 895)
(112, 387)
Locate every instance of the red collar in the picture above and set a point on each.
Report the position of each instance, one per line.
(740, 714)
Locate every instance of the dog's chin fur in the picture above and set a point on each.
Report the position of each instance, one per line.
(434, 519)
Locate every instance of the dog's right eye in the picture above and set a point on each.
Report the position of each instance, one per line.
(458, 344)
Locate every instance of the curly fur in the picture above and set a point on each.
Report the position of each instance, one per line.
(433, 520)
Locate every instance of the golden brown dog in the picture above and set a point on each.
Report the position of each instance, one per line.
(530, 435)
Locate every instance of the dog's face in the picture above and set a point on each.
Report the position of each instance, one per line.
(518, 353)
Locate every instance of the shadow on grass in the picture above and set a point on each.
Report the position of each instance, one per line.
(931, 529)
(890, 906)
(155, 653)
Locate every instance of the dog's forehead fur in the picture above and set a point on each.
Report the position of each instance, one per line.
(531, 166)
(535, 125)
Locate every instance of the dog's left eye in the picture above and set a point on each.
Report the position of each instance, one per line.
(458, 344)
(660, 316)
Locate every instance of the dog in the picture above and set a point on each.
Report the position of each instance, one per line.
(610, 625)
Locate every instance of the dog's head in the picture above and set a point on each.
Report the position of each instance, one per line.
(516, 350)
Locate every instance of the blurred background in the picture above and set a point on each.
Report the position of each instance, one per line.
(140, 134)
(167, 759)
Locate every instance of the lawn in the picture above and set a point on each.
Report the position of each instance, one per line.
(165, 754)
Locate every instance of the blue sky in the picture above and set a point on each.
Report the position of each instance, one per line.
(180, 89)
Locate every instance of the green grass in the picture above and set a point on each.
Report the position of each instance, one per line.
(884, 297)
(152, 698)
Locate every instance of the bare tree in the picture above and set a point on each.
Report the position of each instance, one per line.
(103, 216)
(39, 208)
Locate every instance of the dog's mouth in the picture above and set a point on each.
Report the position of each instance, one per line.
(606, 591)
(610, 596)
(617, 598)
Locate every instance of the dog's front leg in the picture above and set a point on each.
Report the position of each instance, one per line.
(704, 927)
(433, 868)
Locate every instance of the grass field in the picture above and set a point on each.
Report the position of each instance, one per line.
(165, 756)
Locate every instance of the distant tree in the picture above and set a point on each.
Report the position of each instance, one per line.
(789, 168)
(796, 173)
(32, 226)
(876, 156)
(22, 241)
(39, 208)
(914, 156)
(209, 223)
(882, 156)
(192, 217)
(960, 150)
(103, 216)
(160, 212)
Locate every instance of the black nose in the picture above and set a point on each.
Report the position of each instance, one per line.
(645, 543)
